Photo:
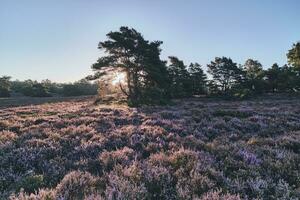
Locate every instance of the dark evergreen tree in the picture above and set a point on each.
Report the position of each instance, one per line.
(254, 76)
(5, 85)
(288, 79)
(198, 79)
(180, 78)
(31, 88)
(127, 50)
(225, 74)
(272, 77)
(281, 79)
(293, 57)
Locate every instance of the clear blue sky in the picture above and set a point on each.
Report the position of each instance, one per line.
(57, 39)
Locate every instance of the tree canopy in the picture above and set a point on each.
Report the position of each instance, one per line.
(128, 51)
(5, 86)
(179, 77)
(198, 78)
(293, 57)
(225, 73)
(254, 75)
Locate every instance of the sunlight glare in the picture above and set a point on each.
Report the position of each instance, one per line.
(119, 78)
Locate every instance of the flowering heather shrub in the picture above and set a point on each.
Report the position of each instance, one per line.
(40, 195)
(76, 185)
(249, 158)
(218, 196)
(191, 150)
(121, 188)
(111, 159)
(159, 183)
(7, 137)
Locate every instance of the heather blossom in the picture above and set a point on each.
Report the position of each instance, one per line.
(190, 150)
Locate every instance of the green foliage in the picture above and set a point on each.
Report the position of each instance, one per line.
(128, 50)
(5, 86)
(198, 79)
(149, 80)
(180, 78)
(153, 95)
(46, 88)
(79, 88)
(31, 88)
(254, 76)
(225, 74)
(281, 79)
(293, 57)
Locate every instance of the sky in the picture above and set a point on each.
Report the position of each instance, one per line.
(57, 39)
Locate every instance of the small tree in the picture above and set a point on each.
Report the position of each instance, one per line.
(198, 78)
(272, 77)
(288, 79)
(180, 78)
(5, 85)
(225, 73)
(281, 79)
(128, 51)
(254, 75)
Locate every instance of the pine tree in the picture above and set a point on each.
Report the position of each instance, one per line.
(225, 73)
(5, 85)
(293, 57)
(198, 78)
(180, 78)
(128, 51)
(254, 75)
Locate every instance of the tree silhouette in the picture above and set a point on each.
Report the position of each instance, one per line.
(293, 57)
(225, 73)
(254, 75)
(198, 78)
(272, 77)
(128, 51)
(5, 85)
(180, 78)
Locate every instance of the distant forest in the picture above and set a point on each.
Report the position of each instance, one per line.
(45, 88)
(150, 80)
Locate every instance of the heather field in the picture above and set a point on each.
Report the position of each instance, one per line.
(195, 149)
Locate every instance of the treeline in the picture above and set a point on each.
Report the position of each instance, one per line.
(231, 80)
(45, 88)
(152, 80)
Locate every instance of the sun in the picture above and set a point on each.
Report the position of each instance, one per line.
(119, 78)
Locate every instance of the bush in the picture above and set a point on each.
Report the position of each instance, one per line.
(110, 159)
(40, 195)
(121, 188)
(76, 185)
(248, 149)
